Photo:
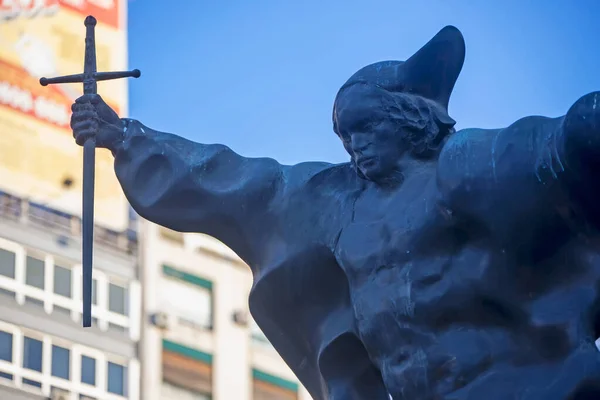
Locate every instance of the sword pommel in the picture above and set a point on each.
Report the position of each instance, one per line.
(90, 21)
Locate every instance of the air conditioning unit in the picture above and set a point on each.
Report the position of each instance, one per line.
(240, 317)
(59, 394)
(160, 320)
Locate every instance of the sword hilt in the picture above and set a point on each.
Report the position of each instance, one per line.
(89, 63)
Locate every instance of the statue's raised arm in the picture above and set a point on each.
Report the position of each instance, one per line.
(184, 185)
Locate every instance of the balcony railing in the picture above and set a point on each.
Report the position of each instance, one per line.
(23, 211)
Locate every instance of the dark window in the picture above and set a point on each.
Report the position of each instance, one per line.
(7, 263)
(6, 346)
(117, 379)
(88, 370)
(116, 328)
(6, 375)
(117, 299)
(34, 272)
(32, 354)
(32, 383)
(60, 362)
(34, 301)
(61, 310)
(62, 281)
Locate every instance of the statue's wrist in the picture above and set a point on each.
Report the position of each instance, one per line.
(123, 132)
(126, 124)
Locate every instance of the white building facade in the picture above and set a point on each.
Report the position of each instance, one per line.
(198, 339)
(44, 351)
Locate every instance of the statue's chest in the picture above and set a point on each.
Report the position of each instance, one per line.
(389, 230)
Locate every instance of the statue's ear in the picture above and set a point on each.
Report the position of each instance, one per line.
(433, 70)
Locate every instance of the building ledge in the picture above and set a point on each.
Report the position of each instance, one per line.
(10, 392)
(37, 216)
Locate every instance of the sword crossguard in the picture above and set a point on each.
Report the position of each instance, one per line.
(89, 77)
(96, 77)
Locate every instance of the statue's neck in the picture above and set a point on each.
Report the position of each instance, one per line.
(405, 167)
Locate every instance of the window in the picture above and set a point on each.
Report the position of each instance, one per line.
(61, 362)
(32, 354)
(270, 387)
(48, 364)
(33, 278)
(6, 346)
(34, 272)
(31, 382)
(187, 296)
(88, 370)
(62, 281)
(117, 299)
(117, 379)
(7, 263)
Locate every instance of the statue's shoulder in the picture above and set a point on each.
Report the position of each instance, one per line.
(466, 154)
(476, 160)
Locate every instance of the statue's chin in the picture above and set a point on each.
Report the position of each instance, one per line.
(380, 176)
(372, 174)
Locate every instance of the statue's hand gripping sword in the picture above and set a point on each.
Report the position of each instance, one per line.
(89, 78)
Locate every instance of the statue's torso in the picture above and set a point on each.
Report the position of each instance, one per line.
(442, 297)
(407, 264)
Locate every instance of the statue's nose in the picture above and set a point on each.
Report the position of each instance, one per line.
(359, 143)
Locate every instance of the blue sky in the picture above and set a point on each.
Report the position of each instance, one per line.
(261, 77)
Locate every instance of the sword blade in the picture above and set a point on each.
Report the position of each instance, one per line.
(87, 222)
(89, 161)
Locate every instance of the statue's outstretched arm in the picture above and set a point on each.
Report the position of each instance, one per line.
(193, 187)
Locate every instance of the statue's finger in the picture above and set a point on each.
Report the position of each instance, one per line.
(86, 98)
(84, 115)
(84, 135)
(83, 126)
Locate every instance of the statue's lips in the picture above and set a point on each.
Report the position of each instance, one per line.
(367, 161)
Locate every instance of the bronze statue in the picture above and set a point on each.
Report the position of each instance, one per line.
(434, 265)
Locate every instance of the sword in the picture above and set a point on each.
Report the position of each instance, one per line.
(89, 78)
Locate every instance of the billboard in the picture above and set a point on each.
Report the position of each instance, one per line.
(37, 153)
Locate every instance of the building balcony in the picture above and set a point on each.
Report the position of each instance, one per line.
(22, 211)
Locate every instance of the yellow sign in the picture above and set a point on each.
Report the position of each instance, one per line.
(37, 152)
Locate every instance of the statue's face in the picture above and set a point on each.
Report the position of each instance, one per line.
(369, 133)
